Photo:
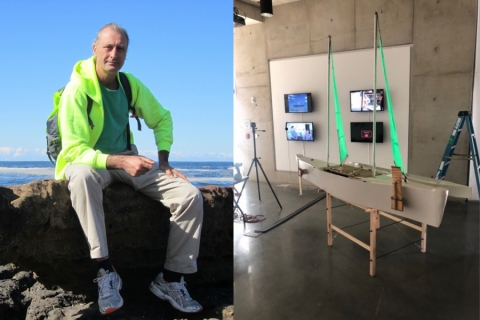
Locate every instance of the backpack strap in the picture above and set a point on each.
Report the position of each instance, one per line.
(89, 105)
(89, 109)
(128, 92)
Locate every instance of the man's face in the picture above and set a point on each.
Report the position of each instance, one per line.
(111, 51)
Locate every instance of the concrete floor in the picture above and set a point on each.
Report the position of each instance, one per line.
(290, 272)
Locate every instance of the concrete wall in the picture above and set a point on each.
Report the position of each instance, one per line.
(442, 34)
(476, 110)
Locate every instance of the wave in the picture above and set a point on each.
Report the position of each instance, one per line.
(198, 177)
(32, 171)
(211, 179)
(52, 170)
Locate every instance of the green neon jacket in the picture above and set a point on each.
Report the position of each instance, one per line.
(78, 138)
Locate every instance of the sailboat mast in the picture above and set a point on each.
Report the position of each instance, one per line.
(374, 138)
(328, 101)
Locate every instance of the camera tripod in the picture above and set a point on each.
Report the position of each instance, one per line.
(257, 162)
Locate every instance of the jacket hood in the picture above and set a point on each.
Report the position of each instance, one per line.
(85, 77)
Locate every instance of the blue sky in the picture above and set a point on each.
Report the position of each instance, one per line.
(182, 51)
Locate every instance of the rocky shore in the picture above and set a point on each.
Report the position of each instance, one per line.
(46, 273)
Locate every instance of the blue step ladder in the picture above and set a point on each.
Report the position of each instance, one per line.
(463, 116)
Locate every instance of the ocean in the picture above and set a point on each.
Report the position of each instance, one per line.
(200, 174)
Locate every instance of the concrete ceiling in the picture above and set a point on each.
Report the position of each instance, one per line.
(251, 9)
(274, 2)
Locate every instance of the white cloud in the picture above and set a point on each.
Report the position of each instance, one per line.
(6, 150)
(39, 154)
(149, 153)
(20, 152)
(190, 155)
(39, 151)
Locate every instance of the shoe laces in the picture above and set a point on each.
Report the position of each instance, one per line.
(179, 289)
(105, 284)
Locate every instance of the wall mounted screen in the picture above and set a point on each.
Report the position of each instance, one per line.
(299, 131)
(362, 100)
(363, 132)
(298, 102)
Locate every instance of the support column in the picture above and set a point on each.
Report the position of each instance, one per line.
(423, 234)
(373, 240)
(329, 219)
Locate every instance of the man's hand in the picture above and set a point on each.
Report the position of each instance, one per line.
(133, 165)
(165, 166)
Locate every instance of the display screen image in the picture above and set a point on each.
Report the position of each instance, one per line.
(362, 100)
(298, 102)
(363, 132)
(299, 131)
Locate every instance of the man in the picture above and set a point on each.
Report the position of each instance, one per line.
(308, 135)
(95, 156)
(293, 133)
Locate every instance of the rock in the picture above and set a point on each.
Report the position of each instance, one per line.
(227, 313)
(23, 297)
(7, 271)
(40, 231)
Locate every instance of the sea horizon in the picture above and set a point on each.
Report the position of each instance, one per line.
(156, 161)
(199, 173)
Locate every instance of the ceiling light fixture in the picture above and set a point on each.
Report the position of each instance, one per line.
(266, 8)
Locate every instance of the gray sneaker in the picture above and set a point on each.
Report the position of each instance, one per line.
(176, 293)
(109, 285)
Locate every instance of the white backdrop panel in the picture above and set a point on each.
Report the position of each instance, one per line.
(354, 71)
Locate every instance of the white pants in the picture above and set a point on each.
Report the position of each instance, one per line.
(184, 200)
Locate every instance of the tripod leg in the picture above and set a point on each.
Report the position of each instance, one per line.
(250, 169)
(254, 160)
(258, 182)
(237, 206)
(268, 183)
(241, 190)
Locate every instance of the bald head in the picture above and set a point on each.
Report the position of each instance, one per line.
(115, 27)
(110, 50)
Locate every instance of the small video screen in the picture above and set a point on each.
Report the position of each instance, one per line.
(362, 100)
(299, 131)
(298, 102)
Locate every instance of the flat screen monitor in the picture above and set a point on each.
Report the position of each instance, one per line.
(362, 100)
(363, 132)
(299, 131)
(298, 102)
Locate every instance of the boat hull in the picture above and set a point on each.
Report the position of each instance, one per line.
(421, 202)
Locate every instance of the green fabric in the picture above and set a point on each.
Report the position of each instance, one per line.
(342, 143)
(78, 139)
(397, 156)
(115, 106)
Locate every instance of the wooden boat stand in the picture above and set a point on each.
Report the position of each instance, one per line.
(374, 225)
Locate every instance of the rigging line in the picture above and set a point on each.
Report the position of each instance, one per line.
(391, 224)
(328, 101)
(383, 255)
(338, 116)
(397, 156)
(342, 146)
(356, 224)
(303, 142)
(374, 139)
(288, 155)
(291, 215)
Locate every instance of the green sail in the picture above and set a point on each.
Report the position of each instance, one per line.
(397, 156)
(342, 143)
